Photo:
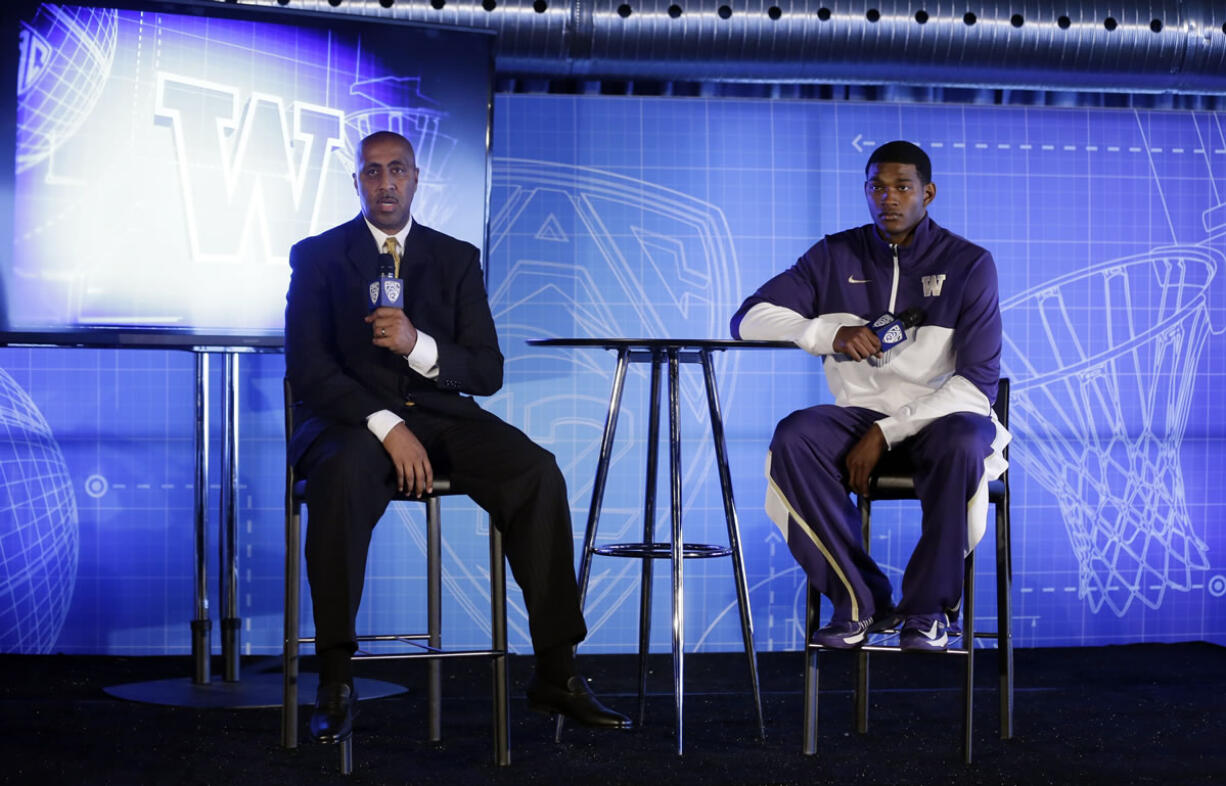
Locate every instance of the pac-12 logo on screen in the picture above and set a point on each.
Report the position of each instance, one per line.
(34, 58)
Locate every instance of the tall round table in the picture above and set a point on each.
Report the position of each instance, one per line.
(674, 352)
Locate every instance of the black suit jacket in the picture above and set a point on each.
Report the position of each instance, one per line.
(338, 375)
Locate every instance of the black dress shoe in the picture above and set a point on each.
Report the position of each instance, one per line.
(576, 701)
(332, 718)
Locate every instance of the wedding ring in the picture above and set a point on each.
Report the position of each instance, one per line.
(383, 331)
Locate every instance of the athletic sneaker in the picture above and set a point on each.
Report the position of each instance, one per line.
(841, 634)
(924, 632)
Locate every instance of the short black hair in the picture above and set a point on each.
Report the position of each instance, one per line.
(901, 151)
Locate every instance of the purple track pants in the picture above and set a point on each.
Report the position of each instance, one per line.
(808, 499)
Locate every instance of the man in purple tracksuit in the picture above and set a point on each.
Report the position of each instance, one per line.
(930, 395)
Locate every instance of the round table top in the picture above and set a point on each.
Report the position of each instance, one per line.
(612, 342)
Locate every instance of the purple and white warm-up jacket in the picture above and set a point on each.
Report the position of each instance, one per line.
(949, 363)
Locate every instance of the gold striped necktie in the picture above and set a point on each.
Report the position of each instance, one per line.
(392, 247)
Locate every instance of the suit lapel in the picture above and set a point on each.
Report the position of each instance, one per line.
(423, 296)
(360, 249)
(416, 256)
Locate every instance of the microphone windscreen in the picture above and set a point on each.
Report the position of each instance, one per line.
(387, 265)
(912, 317)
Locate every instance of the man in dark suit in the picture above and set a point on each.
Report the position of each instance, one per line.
(380, 407)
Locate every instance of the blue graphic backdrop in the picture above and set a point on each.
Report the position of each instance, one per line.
(655, 216)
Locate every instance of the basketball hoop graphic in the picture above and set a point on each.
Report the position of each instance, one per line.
(1102, 408)
(1102, 414)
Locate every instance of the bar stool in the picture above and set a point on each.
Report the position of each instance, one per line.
(426, 645)
(893, 480)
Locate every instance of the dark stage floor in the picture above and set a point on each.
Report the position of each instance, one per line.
(1127, 714)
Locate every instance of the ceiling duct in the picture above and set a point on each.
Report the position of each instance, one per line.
(1176, 46)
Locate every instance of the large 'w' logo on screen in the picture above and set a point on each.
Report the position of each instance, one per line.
(252, 174)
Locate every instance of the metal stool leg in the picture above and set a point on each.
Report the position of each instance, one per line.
(674, 440)
(1004, 619)
(734, 530)
(434, 618)
(649, 519)
(809, 742)
(289, 641)
(602, 471)
(866, 506)
(347, 756)
(968, 641)
(498, 628)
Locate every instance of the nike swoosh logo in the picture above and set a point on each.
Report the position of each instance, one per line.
(931, 635)
(854, 280)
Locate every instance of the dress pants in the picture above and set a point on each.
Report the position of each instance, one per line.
(807, 469)
(352, 480)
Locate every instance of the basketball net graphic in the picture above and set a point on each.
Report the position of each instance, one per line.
(1101, 412)
(1104, 420)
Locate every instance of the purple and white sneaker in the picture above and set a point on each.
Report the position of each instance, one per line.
(843, 634)
(924, 632)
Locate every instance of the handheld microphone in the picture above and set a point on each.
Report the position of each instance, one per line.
(892, 330)
(386, 290)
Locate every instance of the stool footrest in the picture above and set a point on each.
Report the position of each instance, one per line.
(431, 654)
(876, 643)
(401, 637)
(420, 648)
(662, 550)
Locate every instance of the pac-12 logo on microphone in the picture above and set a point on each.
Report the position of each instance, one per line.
(386, 292)
(893, 335)
(883, 320)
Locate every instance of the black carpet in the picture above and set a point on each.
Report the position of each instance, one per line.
(1118, 715)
